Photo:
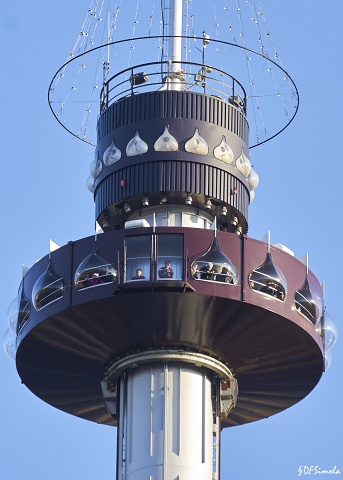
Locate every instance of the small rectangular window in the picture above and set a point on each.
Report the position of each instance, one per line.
(138, 255)
(170, 257)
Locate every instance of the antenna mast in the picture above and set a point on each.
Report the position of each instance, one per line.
(175, 31)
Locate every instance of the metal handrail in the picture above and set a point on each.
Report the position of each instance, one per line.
(205, 80)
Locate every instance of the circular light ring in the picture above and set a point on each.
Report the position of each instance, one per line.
(220, 42)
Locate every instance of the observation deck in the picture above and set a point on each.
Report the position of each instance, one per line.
(66, 345)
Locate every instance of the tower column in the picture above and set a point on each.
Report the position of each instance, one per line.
(166, 423)
(168, 407)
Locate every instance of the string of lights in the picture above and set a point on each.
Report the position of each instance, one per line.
(73, 94)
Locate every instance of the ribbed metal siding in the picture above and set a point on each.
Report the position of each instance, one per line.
(175, 176)
(184, 105)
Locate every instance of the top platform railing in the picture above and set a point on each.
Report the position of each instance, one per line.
(160, 76)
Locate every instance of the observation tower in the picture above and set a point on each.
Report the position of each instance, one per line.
(169, 322)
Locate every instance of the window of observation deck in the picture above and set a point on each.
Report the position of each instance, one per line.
(23, 309)
(268, 279)
(214, 266)
(48, 288)
(308, 301)
(154, 257)
(94, 271)
(138, 258)
(169, 257)
(19, 311)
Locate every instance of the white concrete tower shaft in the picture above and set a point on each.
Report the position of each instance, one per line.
(166, 423)
(168, 405)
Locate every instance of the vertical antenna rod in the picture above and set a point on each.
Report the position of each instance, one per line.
(175, 30)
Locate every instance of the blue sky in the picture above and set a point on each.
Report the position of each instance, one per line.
(43, 195)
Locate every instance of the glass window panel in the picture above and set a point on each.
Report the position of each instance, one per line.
(170, 257)
(309, 301)
(138, 255)
(23, 310)
(214, 266)
(93, 271)
(268, 279)
(48, 288)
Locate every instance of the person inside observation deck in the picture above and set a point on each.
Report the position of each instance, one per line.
(274, 290)
(194, 270)
(139, 275)
(207, 272)
(224, 276)
(166, 271)
(92, 280)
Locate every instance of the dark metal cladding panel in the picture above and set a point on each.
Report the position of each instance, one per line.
(202, 174)
(167, 181)
(161, 107)
(173, 176)
(203, 111)
(235, 124)
(153, 172)
(160, 177)
(210, 183)
(226, 117)
(193, 176)
(212, 112)
(145, 180)
(232, 119)
(147, 177)
(224, 186)
(119, 115)
(113, 120)
(173, 179)
(129, 116)
(178, 176)
(151, 106)
(168, 111)
(180, 106)
(153, 175)
(190, 109)
(220, 113)
(187, 108)
(205, 180)
(181, 174)
(219, 184)
(188, 176)
(215, 183)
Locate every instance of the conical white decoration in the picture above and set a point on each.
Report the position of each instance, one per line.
(329, 331)
(243, 164)
(95, 167)
(196, 144)
(252, 195)
(12, 315)
(253, 179)
(9, 344)
(90, 184)
(136, 146)
(166, 142)
(111, 155)
(224, 151)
